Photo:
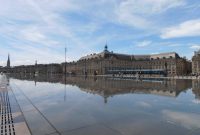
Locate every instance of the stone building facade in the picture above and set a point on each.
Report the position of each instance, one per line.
(196, 63)
(107, 62)
(34, 69)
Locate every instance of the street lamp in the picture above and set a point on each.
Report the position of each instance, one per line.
(65, 59)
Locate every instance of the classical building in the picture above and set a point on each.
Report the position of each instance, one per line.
(108, 62)
(196, 63)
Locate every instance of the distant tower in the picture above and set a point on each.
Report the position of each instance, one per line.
(106, 48)
(36, 63)
(36, 71)
(8, 61)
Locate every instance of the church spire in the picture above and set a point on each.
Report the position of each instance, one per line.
(106, 47)
(8, 61)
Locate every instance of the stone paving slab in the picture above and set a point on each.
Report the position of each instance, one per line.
(97, 129)
(37, 123)
(11, 117)
(54, 134)
(20, 129)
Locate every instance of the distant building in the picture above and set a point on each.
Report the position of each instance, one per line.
(196, 63)
(37, 69)
(7, 68)
(108, 62)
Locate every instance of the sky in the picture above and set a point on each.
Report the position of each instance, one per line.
(39, 30)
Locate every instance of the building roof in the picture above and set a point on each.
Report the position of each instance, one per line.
(94, 55)
(107, 53)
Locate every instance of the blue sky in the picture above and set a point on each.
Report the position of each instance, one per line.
(40, 29)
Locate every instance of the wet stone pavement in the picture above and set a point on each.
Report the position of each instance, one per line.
(11, 117)
(57, 105)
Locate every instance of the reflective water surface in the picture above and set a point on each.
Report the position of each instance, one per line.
(108, 106)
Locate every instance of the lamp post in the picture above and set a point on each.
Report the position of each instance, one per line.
(85, 70)
(65, 74)
(65, 59)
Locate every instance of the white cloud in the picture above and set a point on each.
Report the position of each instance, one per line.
(37, 30)
(174, 44)
(46, 27)
(36, 35)
(196, 47)
(155, 53)
(151, 6)
(137, 13)
(196, 101)
(186, 29)
(185, 119)
(144, 104)
(144, 43)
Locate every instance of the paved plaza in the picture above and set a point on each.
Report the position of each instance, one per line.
(12, 119)
(98, 106)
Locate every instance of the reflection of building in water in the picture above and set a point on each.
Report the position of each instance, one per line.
(40, 78)
(196, 88)
(108, 87)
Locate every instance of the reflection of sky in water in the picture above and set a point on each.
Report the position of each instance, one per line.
(72, 107)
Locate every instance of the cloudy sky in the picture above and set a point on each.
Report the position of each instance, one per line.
(40, 29)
